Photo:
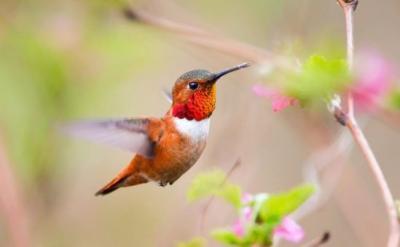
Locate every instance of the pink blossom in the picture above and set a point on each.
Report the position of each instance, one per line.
(279, 100)
(289, 230)
(374, 75)
(239, 228)
(247, 213)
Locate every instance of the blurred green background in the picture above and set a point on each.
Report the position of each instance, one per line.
(65, 60)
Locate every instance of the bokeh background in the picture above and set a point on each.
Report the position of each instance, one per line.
(66, 60)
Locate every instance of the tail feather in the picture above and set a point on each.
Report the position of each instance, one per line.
(128, 176)
(113, 185)
(122, 180)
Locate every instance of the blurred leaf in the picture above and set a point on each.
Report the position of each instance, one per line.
(195, 242)
(231, 193)
(106, 5)
(260, 233)
(256, 234)
(205, 184)
(227, 237)
(394, 99)
(318, 79)
(272, 210)
(214, 184)
(278, 206)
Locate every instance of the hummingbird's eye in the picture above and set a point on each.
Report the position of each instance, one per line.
(193, 85)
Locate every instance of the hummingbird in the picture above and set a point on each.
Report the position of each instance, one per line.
(165, 148)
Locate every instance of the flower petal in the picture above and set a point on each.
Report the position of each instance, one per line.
(289, 230)
(238, 228)
(263, 91)
(279, 100)
(373, 81)
(247, 212)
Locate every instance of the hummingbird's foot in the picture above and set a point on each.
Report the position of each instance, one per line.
(163, 183)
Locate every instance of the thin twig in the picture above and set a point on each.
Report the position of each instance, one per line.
(348, 7)
(374, 166)
(210, 201)
(319, 241)
(348, 13)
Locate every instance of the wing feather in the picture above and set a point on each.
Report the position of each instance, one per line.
(129, 134)
(167, 95)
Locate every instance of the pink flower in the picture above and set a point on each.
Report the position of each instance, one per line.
(374, 75)
(289, 230)
(279, 101)
(238, 228)
(247, 213)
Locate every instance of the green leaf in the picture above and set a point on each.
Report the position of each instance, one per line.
(195, 242)
(205, 184)
(260, 234)
(231, 193)
(272, 210)
(394, 99)
(227, 237)
(318, 79)
(256, 234)
(214, 184)
(278, 206)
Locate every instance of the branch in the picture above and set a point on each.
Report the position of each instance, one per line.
(348, 119)
(380, 179)
(206, 39)
(317, 242)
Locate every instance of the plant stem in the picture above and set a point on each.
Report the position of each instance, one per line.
(348, 13)
(210, 201)
(348, 7)
(379, 177)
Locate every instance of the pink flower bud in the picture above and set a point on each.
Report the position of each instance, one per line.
(238, 228)
(289, 230)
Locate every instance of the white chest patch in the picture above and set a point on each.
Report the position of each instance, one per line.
(197, 130)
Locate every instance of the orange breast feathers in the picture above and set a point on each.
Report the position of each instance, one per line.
(199, 106)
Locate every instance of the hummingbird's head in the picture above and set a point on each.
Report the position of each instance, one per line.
(194, 93)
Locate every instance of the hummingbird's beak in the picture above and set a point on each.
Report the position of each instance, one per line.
(220, 74)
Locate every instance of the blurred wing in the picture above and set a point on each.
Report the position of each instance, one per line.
(167, 95)
(127, 134)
